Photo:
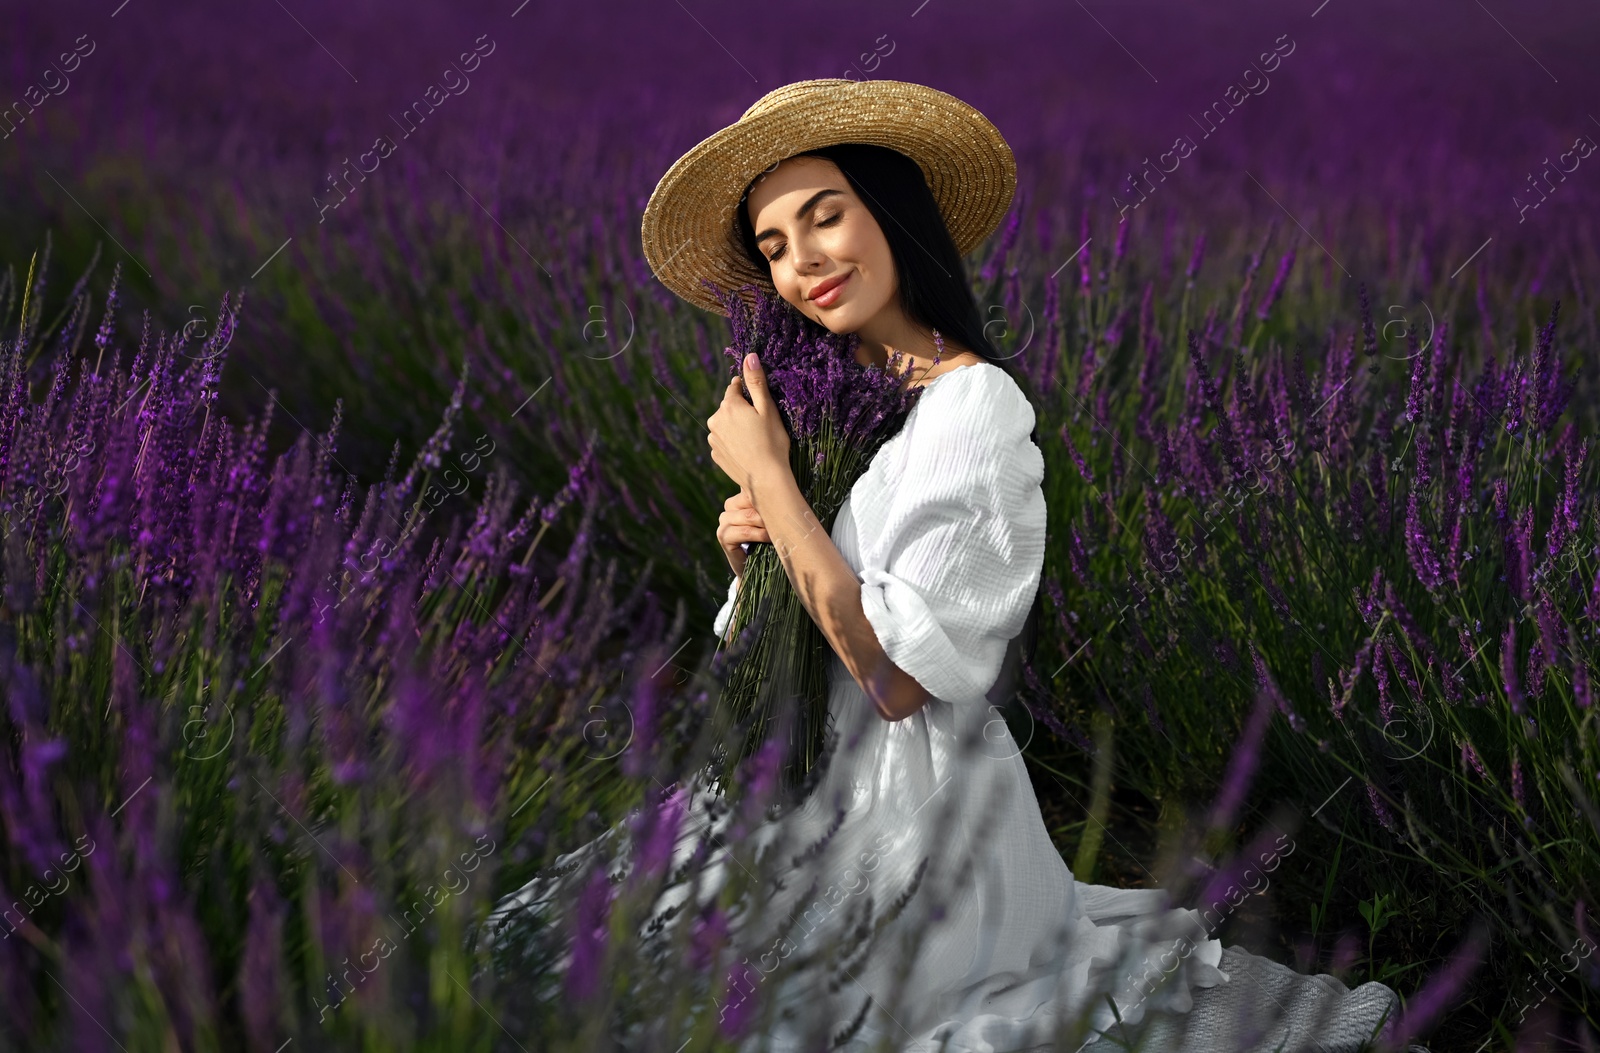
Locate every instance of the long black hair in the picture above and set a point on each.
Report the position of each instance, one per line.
(933, 288)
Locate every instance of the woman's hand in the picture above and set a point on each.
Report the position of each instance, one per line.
(748, 440)
(738, 523)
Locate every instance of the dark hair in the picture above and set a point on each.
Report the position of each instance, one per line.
(933, 288)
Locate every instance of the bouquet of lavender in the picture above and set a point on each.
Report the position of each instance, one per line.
(838, 412)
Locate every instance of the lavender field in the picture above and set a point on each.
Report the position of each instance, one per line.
(357, 549)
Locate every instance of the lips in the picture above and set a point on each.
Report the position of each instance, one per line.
(824, 294)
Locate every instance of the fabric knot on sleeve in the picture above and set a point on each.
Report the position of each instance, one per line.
(952, 559)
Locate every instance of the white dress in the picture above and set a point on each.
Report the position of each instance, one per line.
(946, 531)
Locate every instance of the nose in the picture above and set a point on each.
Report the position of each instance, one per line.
(806, 257)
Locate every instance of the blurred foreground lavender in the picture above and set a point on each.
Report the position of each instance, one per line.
(270, 736)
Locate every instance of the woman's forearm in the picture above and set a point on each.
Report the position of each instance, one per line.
(831, 594)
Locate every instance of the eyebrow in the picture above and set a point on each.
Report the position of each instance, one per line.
(800, 213)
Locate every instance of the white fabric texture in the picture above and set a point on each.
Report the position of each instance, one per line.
(946, 532)
(720, 625)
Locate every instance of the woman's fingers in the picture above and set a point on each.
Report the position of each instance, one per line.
(743, 516)
(738, 525)
(738, 533)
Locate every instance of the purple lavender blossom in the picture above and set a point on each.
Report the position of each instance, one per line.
(1122, 243)
(1077, 458)
(1242, 764)
(1265, 682)
(1083, 257)
(657, 831)
(1196, 257)
(1508, 668)
(1419, 548)
(1580, 676)
(1380, 809)
(709, 934)
(1439, 992)
(1213, 398)
(1277, 285)
(1369, 334)
(1380, 673)
(590, 936)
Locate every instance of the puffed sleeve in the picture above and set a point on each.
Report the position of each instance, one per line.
(720, 625)
(952, 561)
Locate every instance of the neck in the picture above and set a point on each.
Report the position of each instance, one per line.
(882, 337)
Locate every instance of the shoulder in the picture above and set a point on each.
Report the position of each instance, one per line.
(980, 405)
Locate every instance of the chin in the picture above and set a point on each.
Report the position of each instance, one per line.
(846, 319)
(835, 324)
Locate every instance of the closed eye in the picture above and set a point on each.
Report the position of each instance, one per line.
(830, 221)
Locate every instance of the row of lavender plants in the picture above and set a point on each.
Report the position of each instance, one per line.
(271, 738)
(1391, 530)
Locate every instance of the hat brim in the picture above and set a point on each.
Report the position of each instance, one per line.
(688, 230)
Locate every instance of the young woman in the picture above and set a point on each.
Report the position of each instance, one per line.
(856, 202)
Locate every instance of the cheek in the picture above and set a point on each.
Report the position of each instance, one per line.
(876, 264)
(878, 287)
(788, 286)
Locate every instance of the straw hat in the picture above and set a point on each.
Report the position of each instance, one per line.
(688, 230)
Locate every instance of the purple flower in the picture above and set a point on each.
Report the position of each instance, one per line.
(1347, 680)
(708, 935)
(1564, 522)
(589, 937)
(1415, 395)
(1196, 257)
(1231, 876)
(1213, 398)
(1160, 538)
(645, 703)
(1518, 792)
(1083, 256)
(1242, 764)
(1008, 238)
(660, 832)
(109, 318)
(1380, 673)
(1265, 682)
(1277, 285)
(739, 1011)
(1420, 548)
(1077, 458)
(1545, 408)
(1552, 630)
(1369, 334)
(1508, 668)
(1122, 242)
(1380, 809)
(1078, 559)
(1439, 992)
(1580, 675)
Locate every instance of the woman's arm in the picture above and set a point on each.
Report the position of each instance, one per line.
(749, 442)
(831, 593)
